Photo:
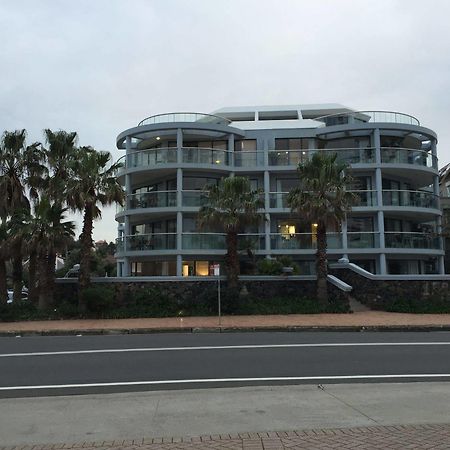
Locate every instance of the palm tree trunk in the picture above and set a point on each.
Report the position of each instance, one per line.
(43, 282)
(50, 275)
(232, 259)
(3, 285)
(86, 256)
(321, 264)
(17, 270)
(33, 289)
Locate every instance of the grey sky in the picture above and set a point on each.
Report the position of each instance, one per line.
(99, 66)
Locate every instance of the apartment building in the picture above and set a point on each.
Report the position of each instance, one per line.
(169, 159)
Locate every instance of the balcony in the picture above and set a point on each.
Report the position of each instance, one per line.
(365, 198)
(363, 239)
(151, 157)
(194, 198)
(415, 157)
(184, 117)
(348, 117)
(411, 199)
(155, 241)
(155, 199)
(278, 199)
(412, 240)
(203, 241)
(248, 159)
(345, 155)
(302, 241)
(213, 156)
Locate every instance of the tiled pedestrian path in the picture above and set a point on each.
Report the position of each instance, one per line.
(358, 320)
(366, 438)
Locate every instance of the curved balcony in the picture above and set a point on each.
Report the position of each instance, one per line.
(347, 117)
(412, 240)
(184, 117)
(154, 199)
(217, 241)
(248, 159)
(416, 157)
(410, 199)
(194, 199)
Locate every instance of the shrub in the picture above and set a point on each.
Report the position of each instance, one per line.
(99, 298)
(269, 267)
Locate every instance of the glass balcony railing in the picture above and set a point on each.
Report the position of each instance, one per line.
(184, 117)
(120, 245)
(155, 199)
(251, 241)
(365, 198)
(203, 241)
(156, 241)
(346, 155)
(213, 156)
(415, 199)
(398, 155)
(248, 159)
(412, 240)
(194, 198)
(152, 157)
(278, 199)
(363, 239)
(367, 116)
(302, 241)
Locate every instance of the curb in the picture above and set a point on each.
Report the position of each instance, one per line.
(320, 328)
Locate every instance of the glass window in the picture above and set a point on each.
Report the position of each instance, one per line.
(291, 144)
(198, 183)
(359, 224)
(245, 145)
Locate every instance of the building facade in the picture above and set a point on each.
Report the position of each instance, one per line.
(170, 158)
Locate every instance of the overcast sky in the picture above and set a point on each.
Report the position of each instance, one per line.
(100, 66)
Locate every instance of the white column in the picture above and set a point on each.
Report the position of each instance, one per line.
(127, 229)
(230, 148)
(179, 220)
(179, 145)
(344, 238)
(266, 207)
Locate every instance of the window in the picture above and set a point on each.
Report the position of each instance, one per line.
(291, 144)
(245, 145)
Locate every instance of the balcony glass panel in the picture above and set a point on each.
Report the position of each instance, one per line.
(203, 241)
(248, 159)
(152, 157)
(412, 240)
(194, 198)
(159, 241)
(278, 199)
(417, 199)
(363, 240)
(185, 117)
(120, 245)
(365, 198)
(295, 157)
(251, 241)
(199, 155)
(397, 155)
(302, 241)
(155, 199)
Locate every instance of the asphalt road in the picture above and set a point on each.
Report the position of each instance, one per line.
(39, 366)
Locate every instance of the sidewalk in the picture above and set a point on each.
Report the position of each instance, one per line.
(377, 437)
(366, 320)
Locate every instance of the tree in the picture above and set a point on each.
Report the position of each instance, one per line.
(21, 167)
(93, 184)
(321, 198)
(231, 205)
(4, 255)
(50, 232)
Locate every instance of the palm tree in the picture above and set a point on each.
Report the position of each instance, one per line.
(59, 155)
(4, 255)
(20, 169)
(322, 198)
(93, 184)
(231, 205)
(50, 233)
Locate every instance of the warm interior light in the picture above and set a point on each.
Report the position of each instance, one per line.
(315, 225)
(217, 161)
(291, 229)
(158, 138)
(185, 270)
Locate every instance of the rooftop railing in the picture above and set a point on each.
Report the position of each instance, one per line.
(184, 117)
(348, 117)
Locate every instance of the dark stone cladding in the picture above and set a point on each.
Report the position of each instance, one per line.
(263, 289)
(379, 293)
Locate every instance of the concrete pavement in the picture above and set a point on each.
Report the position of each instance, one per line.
(151, 418)
(378, 320)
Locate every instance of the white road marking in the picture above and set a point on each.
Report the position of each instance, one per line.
(222, 347)
(227, 380)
